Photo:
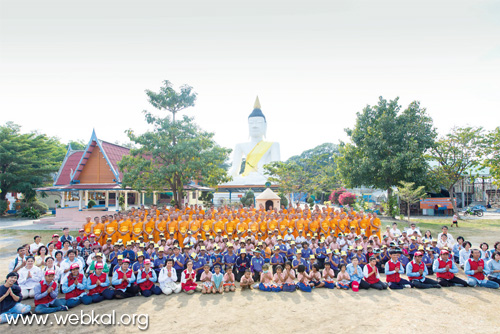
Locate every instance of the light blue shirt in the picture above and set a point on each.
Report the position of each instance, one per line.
(68, 288)
(435, 267)
(493, 265)
(469, 272)
(410, 273)
(142, 280)
(463, 256)
(388, 272)
(350, 270)
(116, 281)
(89, 285)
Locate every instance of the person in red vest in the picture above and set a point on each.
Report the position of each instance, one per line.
(416, 271)
(393, 271)
(476, 272)
(123, 281)
(372, 276)
(74, 286)
(446, 269)
(46, 295)
(98, 285)
(146, 279)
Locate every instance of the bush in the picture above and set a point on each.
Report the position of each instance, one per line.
(91, 203)
(30, 212)
(391, 207)
(248, 199)
(4, 206)
(42, 208)
(347, 198)
(283, 200)
(334, 196)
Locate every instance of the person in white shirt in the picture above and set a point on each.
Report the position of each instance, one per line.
(464, 254)
(29, 276)
(50, 265)
(19, 262)
(37, 244)
(66, 264)
(92, 255)
(395, 232)
(412, 229)
(189, 239)
(450, 240)
(300, 239)
(168, 278)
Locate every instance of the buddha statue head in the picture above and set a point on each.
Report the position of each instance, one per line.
(257, 125)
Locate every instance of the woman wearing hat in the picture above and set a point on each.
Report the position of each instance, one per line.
(46, 295)
(242, 264)
(146, 279)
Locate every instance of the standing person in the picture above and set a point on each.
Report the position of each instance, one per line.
(123, 281)
(476, 272)
(416, 272)
(46, 295)
(455, 220)
(168, 279)
(446, 269)
(29, 276)
(10, 299)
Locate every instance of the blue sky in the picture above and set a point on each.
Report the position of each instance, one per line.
(68, 67)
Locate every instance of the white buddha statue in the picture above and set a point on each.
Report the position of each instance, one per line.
(255, 153)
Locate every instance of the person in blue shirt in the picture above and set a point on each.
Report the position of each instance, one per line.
(290, 254)
(445, 270)
(113, 258)
(412, 247)
(457, 248)
(298, 260)
(203, 254)
(10, 299)
(159, 261)
(402, 258)
(230, 257)
(361, 257)
(428, 259)
(276, 259)
(306, 251)
(344, 259)
(493, 267)
(333, 261)
(476, 271)
(198, 265)
(139, 264)
(321, 254)
(179, 261)
(256, 264)
(217, 259)
(242, 264)
(416, 271)
(356, 274)
(129, 253)
(283, 249)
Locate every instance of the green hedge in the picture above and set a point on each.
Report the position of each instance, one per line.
(38, 206)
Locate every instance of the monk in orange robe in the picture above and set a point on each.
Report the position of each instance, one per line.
(161, 227)
(124, 229)
(111, 231)
(88, 227)
(98, 230)
(149, 227)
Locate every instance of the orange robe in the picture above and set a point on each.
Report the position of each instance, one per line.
(98, 231)
(148, 229)
(88, 228)
(162, 227)
(125, 226)
(111, 229)
(137, 230)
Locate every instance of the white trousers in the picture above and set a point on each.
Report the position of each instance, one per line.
(171, 287)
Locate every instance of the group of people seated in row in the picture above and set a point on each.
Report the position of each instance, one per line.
(87, 272)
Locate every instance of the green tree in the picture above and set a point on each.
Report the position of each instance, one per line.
(492, 154)
(175, 152)
(388, 146)
(27, 160)
(313, 172)
(409, 194)
(458, 154)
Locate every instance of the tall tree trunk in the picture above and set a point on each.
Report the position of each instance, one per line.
(408, 213)
(452, 200)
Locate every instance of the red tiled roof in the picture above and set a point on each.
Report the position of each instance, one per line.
(70, 165)
(115, 153)
(73, 187)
